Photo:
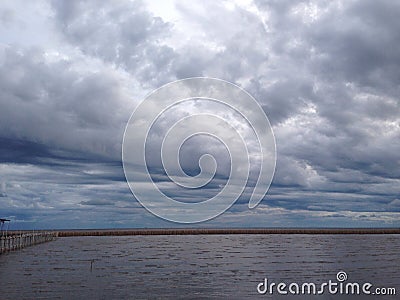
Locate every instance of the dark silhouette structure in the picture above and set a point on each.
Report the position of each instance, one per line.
(2, 222)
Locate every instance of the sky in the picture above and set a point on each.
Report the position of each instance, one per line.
(326, 73)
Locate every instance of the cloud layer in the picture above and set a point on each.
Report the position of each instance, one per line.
(327, 74)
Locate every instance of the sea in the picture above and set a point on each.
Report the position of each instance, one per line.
(238, 266)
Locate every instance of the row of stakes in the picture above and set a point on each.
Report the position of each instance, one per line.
(19, 241)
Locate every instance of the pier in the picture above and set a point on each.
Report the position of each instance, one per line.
(16, 241)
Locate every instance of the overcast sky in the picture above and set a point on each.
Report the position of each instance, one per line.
(326, 73)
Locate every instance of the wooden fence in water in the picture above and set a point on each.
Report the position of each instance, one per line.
(195, 231)
(18, 241)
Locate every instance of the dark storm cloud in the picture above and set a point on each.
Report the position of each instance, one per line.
(14, 151)
(123, 33)
(361, 44)
(52, 103)
(348, 43)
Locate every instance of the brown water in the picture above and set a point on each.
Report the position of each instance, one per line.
(195, 266)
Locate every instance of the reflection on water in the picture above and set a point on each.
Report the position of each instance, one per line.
(194, 266)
